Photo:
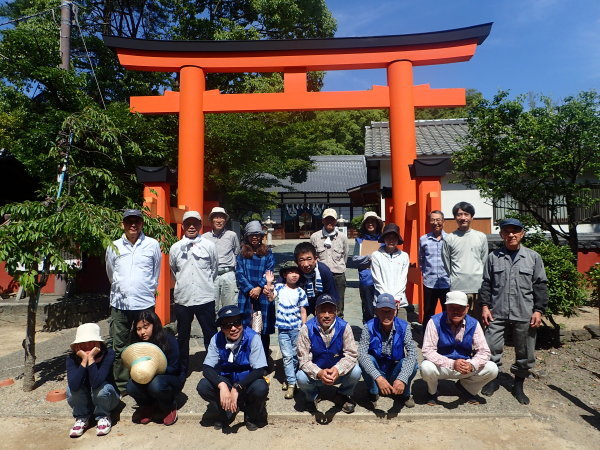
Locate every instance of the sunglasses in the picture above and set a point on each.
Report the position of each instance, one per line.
(228, 325)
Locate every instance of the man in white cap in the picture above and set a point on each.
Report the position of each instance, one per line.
(332, 250)
(194, 263)
(228, 247)
(132, 266)
(454, 348)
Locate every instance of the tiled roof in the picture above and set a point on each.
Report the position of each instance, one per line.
(332, 173)
(434, 137)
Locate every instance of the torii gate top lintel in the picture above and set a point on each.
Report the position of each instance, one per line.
(305, 54)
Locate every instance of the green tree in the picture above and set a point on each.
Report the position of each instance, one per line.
(39, 238)
(543, 159)
(473, 98)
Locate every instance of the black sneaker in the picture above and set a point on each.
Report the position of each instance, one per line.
(489, 389)
(250, 426)
(432, 400)
(348, 405)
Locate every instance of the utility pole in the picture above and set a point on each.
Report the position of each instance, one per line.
(65, 34)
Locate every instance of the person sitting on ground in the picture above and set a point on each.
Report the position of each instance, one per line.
(327, 356)
(158, 396)
(290, 316)
(387, 353)
(233, 372)
(370, 230)
(454, 348)
(316, 278)
(90, 384)
(389, 267)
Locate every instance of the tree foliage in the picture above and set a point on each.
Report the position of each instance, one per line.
(544, 158)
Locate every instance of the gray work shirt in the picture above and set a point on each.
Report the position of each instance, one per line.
(514, 289)
(228, 246)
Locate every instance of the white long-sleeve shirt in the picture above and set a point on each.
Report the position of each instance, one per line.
(194, 265)
(390, 273)
(133, 272)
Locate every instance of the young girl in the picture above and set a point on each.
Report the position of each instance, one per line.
(158, 396)
(252, 263)
(370, 230)
(91, 388)
(291, 315)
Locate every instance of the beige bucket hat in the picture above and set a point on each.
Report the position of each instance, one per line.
(87, 332)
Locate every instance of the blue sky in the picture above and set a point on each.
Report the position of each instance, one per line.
(549, 47)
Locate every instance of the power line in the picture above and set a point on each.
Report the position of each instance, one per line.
(20, 19)
(76, 10)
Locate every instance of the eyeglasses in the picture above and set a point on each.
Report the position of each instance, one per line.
(436, 221)
(228, 325)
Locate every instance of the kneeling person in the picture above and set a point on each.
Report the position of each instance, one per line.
(454, 347)
(387, 353)
(233, 372)
(327, 355)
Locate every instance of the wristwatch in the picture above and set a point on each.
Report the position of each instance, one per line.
(238, 387)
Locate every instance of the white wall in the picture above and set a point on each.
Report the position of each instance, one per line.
(453, 193)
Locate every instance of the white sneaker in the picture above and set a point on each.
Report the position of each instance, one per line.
(79, 427)
(104, 426)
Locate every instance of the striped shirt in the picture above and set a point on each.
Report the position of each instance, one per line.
(289, 302)
(430, 262)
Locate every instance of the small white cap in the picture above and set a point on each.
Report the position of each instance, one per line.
(457, 298)
(191, 215)
(330, 212)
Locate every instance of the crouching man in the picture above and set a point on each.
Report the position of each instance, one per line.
(233, 372)
(454, 348)
(327, 356)
(387, 353)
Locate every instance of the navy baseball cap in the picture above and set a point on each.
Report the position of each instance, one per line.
(513, 222)
(228, 311)
(325, 298)
(385, 301)
(132, 213)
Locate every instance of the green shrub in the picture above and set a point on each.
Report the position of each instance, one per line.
(566, 286)
(593, 278)
(356, 221)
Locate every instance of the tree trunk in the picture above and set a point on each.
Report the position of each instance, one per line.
(29, 341)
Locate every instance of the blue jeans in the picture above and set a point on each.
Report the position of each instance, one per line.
(162, 391)
(288, 343)
(87, 401)
(311, 387)
(390, 375)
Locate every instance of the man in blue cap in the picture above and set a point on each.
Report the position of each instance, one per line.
(513, 296)
(132, 266)
(327, 356)
(387, 353)
(233, 370)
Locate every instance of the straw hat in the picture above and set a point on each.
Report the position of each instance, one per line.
(145, 360)
(88, 332)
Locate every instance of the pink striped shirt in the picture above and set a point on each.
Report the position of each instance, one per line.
(430, 341)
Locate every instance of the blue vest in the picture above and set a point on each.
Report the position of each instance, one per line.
(240, 367)
(323, 356)
(447, 345)
(387, 361)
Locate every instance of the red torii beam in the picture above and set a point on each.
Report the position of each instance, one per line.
(294, 58)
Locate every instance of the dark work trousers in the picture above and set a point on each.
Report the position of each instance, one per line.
(367, 297)
(523, 337)
(205, 314)
(430, 299)
(340, 284)
(251, 400)
(161, 391)
(120, 323)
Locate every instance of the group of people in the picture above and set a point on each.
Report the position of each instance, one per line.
(233, 287)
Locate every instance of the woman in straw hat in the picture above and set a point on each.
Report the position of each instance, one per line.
(91, 389)
(370, 230)
(158, 395)
(254, 260)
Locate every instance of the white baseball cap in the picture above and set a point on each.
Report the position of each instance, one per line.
(457, 298)
(192, 215)
(330, 212)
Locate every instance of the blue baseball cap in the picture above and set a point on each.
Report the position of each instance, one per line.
(132, 213)
(385, 301)
(325, 298)
(513, 222)
(227, 311)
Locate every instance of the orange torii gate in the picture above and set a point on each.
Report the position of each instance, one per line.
(294, 58)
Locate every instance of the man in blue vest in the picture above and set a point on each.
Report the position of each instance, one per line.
(454, 348)
(327, 356)
(387, 353)
(233, 369)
